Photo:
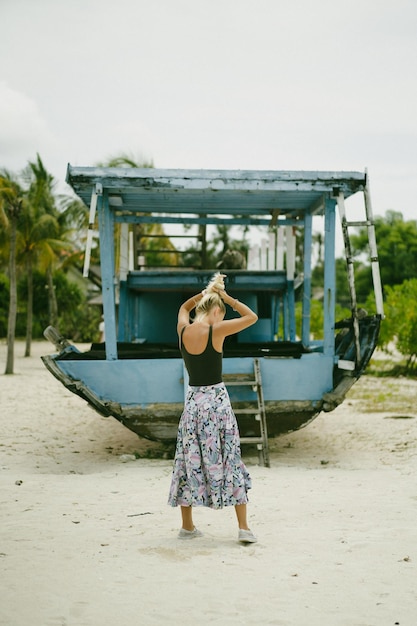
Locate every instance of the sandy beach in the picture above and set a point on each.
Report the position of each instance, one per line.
(87, 538)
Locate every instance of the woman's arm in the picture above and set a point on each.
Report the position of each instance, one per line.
(235, 325)
(185, 310)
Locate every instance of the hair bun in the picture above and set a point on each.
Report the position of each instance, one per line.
(216, 282)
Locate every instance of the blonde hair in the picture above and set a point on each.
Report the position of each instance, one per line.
(209, 302)
(211, 298)
(216, 282)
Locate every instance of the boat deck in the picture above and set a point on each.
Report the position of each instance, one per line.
(276, 349)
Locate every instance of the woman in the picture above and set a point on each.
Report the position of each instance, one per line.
(208, 469)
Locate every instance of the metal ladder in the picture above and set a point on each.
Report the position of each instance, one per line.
(376, 277)
(257, 411)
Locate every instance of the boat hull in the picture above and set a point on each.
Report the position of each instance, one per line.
(146, 394)
(158, 421)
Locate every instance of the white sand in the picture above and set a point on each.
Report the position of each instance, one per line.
(88, 540)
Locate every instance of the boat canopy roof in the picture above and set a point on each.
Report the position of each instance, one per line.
(216, 192)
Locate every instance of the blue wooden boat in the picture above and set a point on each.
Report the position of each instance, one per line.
(137, 375)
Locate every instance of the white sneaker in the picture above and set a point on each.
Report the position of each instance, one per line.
(189, 534)
(246, 536)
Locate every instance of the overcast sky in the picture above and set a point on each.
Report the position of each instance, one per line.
(221, 84)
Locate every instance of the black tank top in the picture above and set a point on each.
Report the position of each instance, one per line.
(204, 368)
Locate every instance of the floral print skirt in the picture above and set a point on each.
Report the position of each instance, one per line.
(208, 468)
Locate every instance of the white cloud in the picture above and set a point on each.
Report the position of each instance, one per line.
(270, 85)
(23, 131)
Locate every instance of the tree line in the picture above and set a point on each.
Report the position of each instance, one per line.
(397, 255)
(39, 242)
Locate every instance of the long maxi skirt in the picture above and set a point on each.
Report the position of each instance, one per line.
(208, 468)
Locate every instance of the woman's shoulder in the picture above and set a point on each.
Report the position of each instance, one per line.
(195, 329)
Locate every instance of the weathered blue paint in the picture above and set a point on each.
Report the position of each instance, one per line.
(128, 382)
(106, 225)
(224, 221)
(306, 309)
(124, 313)
(291, 310)
(142, 382)
(304, 379)
(329, 277)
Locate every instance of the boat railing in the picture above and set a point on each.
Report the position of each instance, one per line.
(170, 350)
(238, 280)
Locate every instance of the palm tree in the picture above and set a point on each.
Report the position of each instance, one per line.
(12, 204)
(44, 238)
(126, 160)
(73, 224)
(38, 246)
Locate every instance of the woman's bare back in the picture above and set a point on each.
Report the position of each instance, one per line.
(195, 338)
